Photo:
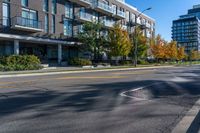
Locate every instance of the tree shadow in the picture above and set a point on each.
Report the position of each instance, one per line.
(94, 97)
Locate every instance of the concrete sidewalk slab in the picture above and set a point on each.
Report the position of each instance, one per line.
(43, 73)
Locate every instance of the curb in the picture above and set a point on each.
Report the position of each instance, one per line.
(81, 71)
(189, 121)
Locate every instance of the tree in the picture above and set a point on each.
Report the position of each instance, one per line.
(172, 50)
(141, 43)
(90, 36)
(194, 55)
(158, 48)
(181, 53)
(120, 44)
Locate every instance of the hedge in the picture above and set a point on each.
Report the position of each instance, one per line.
(19, 63)
(79, 62)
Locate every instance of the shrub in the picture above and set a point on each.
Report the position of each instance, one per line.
(3, 60)
(79, 62)
(1, 67)
(143, 62)
(20, 62)
(125, 62)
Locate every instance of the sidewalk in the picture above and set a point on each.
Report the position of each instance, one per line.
(65, 70)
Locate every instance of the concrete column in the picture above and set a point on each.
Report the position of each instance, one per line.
(59, 53)
(16, 47)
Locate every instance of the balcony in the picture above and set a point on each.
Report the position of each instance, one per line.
(84, 17)
(119, 15)
(76, 32)
(124, 27)
(25, 24)
(108, 24)
(103, 8)
(82, 2)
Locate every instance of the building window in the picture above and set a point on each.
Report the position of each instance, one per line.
(6, 13)
(45, 5)
(53, 8)
(29, 18)
(24, 3)
(29, 14)
(67, 28)
(53, 22)
(68, 10)
(46, 23)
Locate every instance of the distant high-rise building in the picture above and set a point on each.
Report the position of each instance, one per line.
(186, 30)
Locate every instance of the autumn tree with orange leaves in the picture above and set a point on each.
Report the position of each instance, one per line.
(157, 47)
(181, 53)
(162, 50)
(172, 51)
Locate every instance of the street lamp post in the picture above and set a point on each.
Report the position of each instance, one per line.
(135, 38)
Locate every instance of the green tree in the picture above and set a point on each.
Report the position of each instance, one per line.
(141, 41)
(91, 39)
(120, 44)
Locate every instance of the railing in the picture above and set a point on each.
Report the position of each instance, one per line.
(77, 31)
(26, 22)
(85, 16)
(87, 1)
(108, 23)
(104, 6)
(121, 13)
(125, 27)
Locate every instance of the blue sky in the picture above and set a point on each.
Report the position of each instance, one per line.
(164, 11)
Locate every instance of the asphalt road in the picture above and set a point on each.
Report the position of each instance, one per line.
(142, 101)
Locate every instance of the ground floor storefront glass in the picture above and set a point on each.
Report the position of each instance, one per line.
(6, 48)
(47, 53)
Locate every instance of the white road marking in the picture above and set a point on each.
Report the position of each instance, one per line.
(180, 79)
(123, 94)
(185, 123)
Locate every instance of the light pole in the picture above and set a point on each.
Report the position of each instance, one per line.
(135, 38)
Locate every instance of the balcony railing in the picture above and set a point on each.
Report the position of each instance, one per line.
(82, 2)
(26, 23)
(121, 14)
(104, 7)
(87, 1)
(124, 27)
(108, 23)
(84, 16)
(77, 30)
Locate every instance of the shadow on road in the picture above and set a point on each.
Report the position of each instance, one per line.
(96, 97)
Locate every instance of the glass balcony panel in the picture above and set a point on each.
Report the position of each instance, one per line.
(27, 23)
(104, 7)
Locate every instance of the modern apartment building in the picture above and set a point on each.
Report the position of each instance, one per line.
(186, 30)
(49, 28)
